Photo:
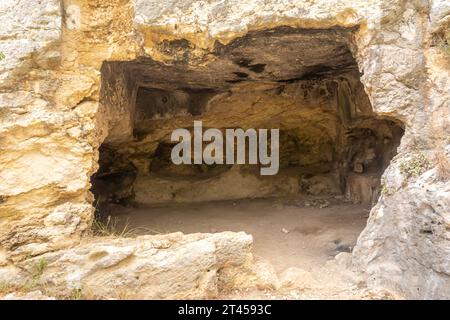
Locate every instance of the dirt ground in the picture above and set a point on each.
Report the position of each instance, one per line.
(287, 233)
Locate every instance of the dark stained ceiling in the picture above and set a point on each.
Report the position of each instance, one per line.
(283, 54)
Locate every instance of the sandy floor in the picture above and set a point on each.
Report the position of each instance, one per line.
(286, 233)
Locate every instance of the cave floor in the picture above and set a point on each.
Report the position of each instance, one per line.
(285, 232)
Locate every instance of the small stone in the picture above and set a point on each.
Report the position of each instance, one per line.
(324, 204)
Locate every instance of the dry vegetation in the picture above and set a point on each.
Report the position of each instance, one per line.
(442, 39)
(443, 165)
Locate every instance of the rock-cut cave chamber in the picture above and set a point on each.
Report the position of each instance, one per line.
(333, 147)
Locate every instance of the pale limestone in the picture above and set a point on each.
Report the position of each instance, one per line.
(50, 142)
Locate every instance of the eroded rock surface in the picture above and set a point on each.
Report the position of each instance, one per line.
(53, 119)
(173, 266)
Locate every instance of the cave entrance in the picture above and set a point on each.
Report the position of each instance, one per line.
(333, 147)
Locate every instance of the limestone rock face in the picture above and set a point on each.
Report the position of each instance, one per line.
(246, 186)
(53, 120)
(26, 31)
(173, 266)
(33, 295)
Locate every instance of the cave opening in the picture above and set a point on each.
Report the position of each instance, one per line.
(333, 148)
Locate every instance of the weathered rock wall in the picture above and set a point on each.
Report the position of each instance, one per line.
(51, 122)
(327, 128)
(172, 266)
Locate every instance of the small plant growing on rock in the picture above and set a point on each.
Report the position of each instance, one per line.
(386, 191)
(415, 166)
(6, 288)
(40, 266)
(2, 56)
(38, 271)
(111, 228)
(76, 295)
